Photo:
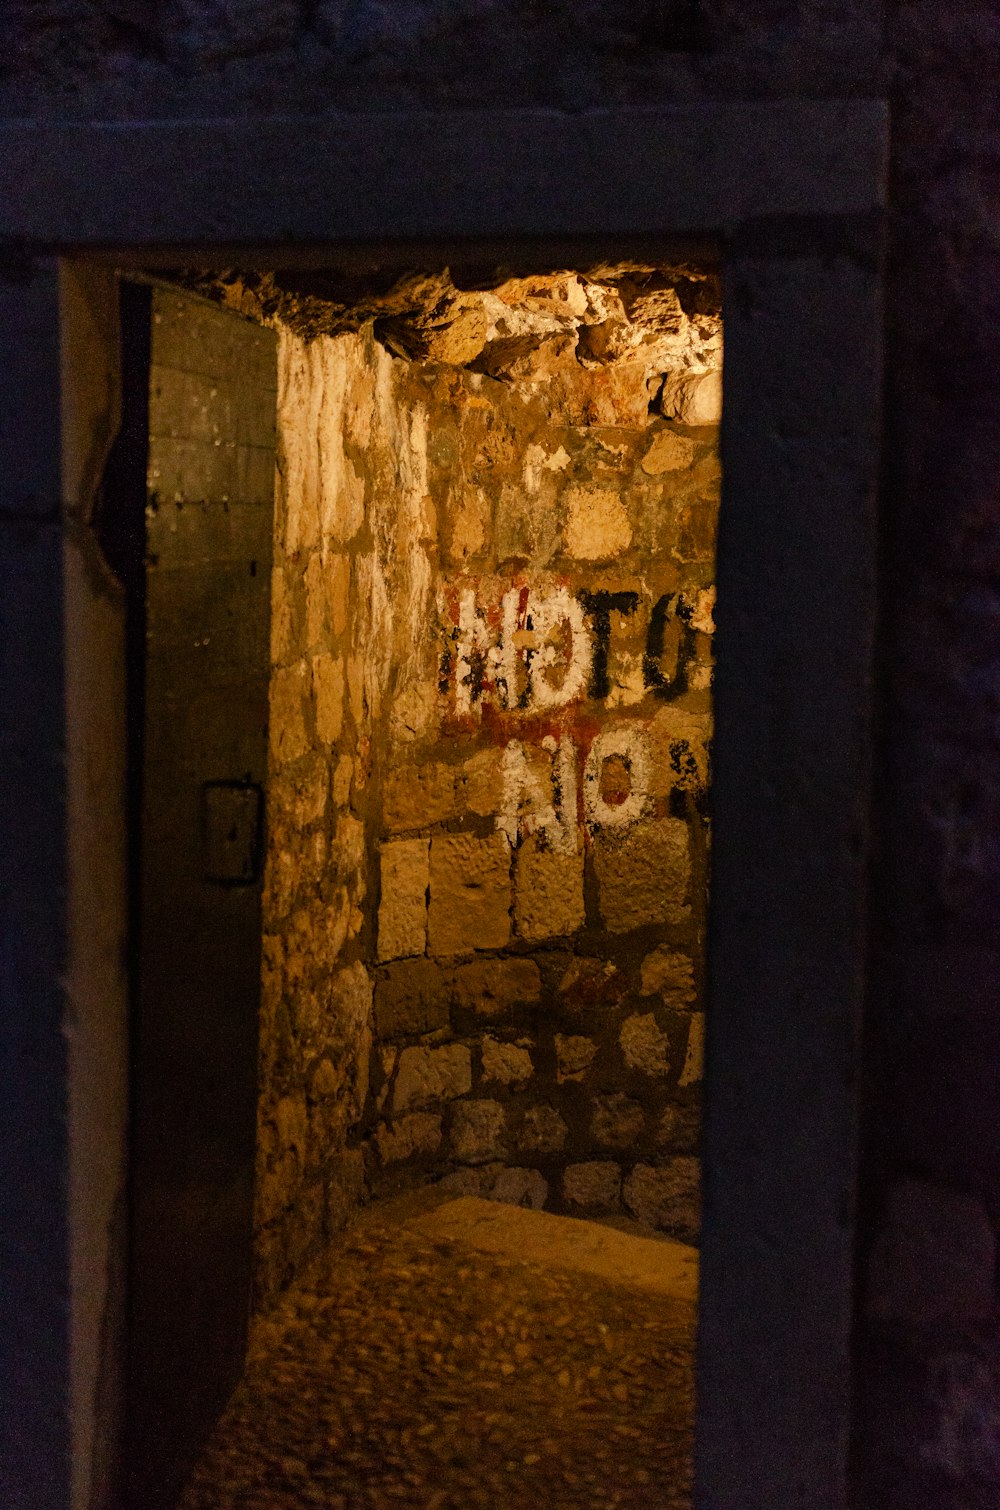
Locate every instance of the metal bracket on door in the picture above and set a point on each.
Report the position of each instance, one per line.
(231, 832)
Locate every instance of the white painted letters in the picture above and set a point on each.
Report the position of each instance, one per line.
(533, 803)
(630, 744)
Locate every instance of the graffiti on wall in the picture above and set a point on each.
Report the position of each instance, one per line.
(540, 656)
(531, 649)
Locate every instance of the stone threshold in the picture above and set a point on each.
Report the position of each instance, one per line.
(656, 1265)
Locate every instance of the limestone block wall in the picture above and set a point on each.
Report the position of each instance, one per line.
(316, 991)
(488, 839)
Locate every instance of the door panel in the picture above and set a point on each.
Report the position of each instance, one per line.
(209, 508)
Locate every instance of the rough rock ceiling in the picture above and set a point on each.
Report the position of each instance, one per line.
(663, 323)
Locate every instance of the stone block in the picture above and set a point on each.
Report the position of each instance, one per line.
(305, 1011)
(281, 1155)
(314, 937)
(703, 613)
(288, 731)
(410, 1136)
(289, 1243)
(347, 847)
(645, 1045)
(542, 1131)
(697, 524)
(327, 581)
(574, 1056)
(282, 876)
(618, 1121)
(282, 617)
(326, 1080)
(597, 524)
(611, 395)
(644, 875)
(478, 1131)
(343, 775)
(934, 1259)
(469, 520)
(669, 974)
(316, 625)
(679, 1128)
(296, 798)
(402, 912)
(344, 1183)
(465, 1182)
(589, 983)
(290, 1123)
(507, 1063)
(694, 1055)
(415, 712)
(410, 999)
(526, 527)
(595, 1186)
(667, 1196)
(669, 452)
(492, 987)
(328, 693)
(329, 1114)
(349, 1029)
(387, 1065)
(470, 893)
(693, 398)
(494, 1182)
(519, 1187)
(338, 582)
(356, 689)
(427, 1075)
(480, 784)
(548, 891)
(418, 796)
(679, 739)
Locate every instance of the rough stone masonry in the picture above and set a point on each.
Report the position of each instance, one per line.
(490, 725)
(933, 1038)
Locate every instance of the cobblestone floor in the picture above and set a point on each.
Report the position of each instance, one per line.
(413, 1369)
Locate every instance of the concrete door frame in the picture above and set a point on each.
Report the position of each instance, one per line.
(793, 194)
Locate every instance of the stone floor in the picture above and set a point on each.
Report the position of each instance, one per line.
(466, 1354)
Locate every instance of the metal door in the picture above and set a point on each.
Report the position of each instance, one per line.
(199, 801)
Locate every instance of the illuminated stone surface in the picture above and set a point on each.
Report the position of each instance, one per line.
(428, 1075)
(402, 912)
(470, 894)
(593, 1187)
(508, 1063)
(461, 1355)
(548, 891)
(492, 628)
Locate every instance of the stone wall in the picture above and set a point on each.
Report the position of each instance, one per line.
(933, 1051)
(928, 1385)
(490, 722)
(316, 993)
(129, 58)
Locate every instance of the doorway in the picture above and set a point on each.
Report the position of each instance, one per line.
(482, 656)
(795, 193)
